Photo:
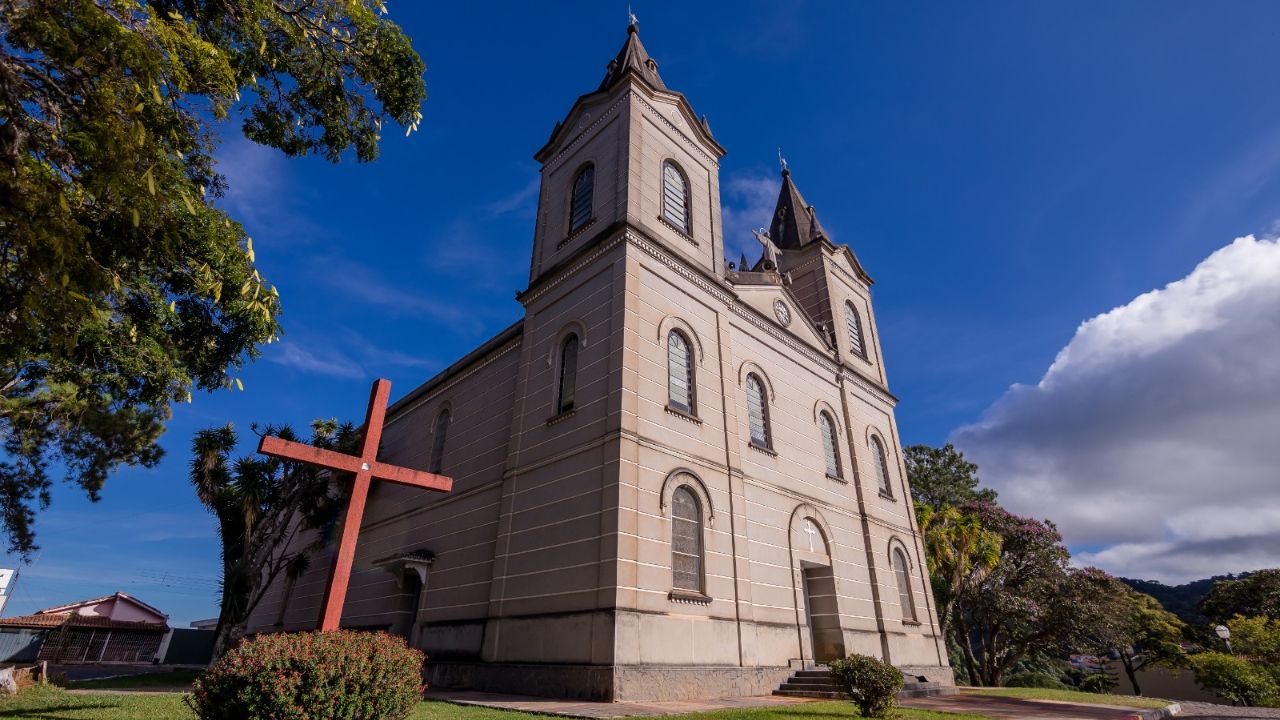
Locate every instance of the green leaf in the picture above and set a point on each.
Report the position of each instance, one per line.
(137, 219)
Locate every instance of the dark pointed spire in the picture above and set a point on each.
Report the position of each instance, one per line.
(743, 264)
(795, 224)
(632, 57)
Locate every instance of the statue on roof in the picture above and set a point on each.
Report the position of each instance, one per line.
(770, 249)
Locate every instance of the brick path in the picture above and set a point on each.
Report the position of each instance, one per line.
(587, 709)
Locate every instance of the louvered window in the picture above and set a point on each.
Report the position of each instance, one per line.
(904, 585)
(568, 373)
(882, 467)
(757, 412)
(829, 444)
(675, 196)
(686, 540)
(680, 385)
(583, 190)
(437, 445)
(856, 342)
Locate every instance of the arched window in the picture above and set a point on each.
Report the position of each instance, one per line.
(854, 323)
(686, 540)
(675, 196)
(680, 386)
(882, 467)
(437, 445)
(580, 203)
(568, 374)
(904, 585)
(829, 445)
(757, 412)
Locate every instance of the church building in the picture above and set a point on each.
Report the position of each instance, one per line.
(675, 476)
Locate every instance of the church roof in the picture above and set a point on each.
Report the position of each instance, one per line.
(795, 223)
(632, 58)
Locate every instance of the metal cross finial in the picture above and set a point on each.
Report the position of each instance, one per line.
(631, 17)
(782, 161)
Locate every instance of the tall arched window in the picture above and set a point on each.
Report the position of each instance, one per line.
(854, 323)
(568, 374)
(437, 444)
(675, 196)
(580, 203)
(680, 385)
(905, 597)
(686, 540)
(829, 446)
(757, 412)
(882, 467)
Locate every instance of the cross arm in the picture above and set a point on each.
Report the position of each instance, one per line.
(312, 455)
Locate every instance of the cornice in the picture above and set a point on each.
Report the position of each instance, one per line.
(646, 105)
(581, 137)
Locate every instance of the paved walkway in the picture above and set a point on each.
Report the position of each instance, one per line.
(587, 709)
(999, 707)
(1208, 711)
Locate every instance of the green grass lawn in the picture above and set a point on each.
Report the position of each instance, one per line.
(168, 679)
(1074, 696)
(50, 703)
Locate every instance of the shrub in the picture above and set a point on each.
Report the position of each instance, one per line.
(1036, 679)
(1236, 680)
(339, 675)
(872, 683)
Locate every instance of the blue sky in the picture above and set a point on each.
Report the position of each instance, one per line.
(1004, 170)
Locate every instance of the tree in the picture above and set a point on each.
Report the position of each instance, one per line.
(1138, 629)
(1253, 594)
(122, 286)
(1029, 603)
(959, 551)
(941, 476)
(268, 512)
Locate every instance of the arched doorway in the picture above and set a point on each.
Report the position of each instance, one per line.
(811, 552)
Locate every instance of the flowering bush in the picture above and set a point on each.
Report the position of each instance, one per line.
(872, 683)
(339, 675)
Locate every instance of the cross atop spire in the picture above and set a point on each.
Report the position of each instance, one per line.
(632, 58)
(782, 163)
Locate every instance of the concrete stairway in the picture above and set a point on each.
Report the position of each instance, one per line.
(816, 683)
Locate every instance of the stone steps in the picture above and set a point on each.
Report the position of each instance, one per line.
(816, 683)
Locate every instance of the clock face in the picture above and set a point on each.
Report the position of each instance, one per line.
(782, 311)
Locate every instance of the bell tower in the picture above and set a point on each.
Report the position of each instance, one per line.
(632, 152)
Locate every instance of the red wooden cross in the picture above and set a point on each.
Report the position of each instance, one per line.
(366, 467)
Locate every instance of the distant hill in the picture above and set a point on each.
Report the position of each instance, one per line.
(1181, 600)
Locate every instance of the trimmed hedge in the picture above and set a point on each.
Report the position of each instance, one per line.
(340, 675)
(872, 683)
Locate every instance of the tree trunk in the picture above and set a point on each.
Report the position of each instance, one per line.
(970, 663)
(1131, 671)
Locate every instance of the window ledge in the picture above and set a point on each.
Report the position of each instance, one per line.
(887, 496)
(761, 448)
(690, 597)
(683, 415)
(837, 478)
(677, 230)
(575, 233)
(912, 623)
(561, 417)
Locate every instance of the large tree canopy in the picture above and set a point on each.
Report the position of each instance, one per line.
(122, 286)
(1253, 594)
(941, 476)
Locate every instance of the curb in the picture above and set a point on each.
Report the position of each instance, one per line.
(1167, 711)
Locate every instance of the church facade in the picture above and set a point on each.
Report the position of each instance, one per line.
(675, 477)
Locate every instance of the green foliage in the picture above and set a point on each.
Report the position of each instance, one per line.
(263, 505)
(1137, 628)
(122, 286)
(872, 683)
(312, 676)
(1096, 682)
(959, 553)
(1257, 638)
(941, 476)
(1248, 595)
(1236, 680)
(1038, 679)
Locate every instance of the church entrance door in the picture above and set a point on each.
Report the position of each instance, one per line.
(822, 613)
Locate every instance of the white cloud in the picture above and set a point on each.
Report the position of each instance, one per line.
(1151, 440)
(748, 203)
(330, 362)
